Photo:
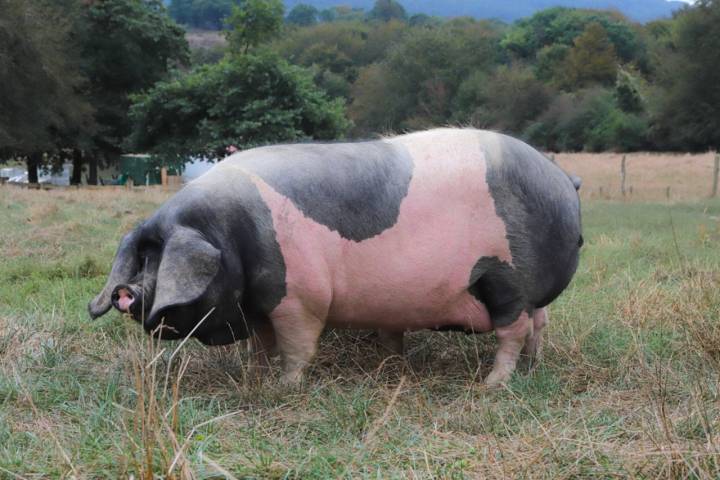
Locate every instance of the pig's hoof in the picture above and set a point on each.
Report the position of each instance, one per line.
(497, 379)
(291, 379)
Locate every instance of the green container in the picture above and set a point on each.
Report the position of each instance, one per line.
(143, 169)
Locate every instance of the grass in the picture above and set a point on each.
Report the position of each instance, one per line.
(628, 386)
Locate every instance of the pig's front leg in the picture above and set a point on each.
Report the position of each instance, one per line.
(297, 333)
(512, 339)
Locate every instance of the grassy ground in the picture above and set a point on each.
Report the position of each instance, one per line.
(628, 386)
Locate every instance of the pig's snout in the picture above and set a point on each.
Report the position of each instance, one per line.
(124, 298)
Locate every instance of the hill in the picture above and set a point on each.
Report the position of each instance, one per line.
(638, 10)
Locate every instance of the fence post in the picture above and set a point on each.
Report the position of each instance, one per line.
(716, 173)
(622, 176)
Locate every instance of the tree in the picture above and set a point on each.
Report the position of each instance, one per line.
(242, 101)
(686, 101)
(418, 80)
(127, 46)
(506, 100)
(303, 15)
(591, 60)
(561, 26)
(254, 22)
(40, 107)
(386, 10)
(209, 14)
(342, 13)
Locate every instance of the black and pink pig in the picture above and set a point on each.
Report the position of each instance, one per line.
(447, 229)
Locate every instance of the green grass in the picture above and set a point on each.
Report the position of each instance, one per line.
(628, 385)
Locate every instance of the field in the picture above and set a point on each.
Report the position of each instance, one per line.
(628, 386)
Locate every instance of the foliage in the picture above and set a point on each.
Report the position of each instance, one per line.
(127, 46)
(303, 15)
(337, 51)
(208, 14)
(253, 22)
(421, 75)
(40, 104)
(506, 99)
(591, 60)
(588, 120)
(342, 13)
(386, 10)
(242, 101)
(686, 102)
(561, 26)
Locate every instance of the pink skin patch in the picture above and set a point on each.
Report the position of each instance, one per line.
(125, 300)
(414, 275)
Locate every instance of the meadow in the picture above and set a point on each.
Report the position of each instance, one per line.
(628, 386)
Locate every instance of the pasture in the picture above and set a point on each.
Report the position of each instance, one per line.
(628, 386)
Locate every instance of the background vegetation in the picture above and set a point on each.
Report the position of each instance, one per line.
(87, 80)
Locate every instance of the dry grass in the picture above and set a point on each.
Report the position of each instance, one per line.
(649, 175)
(628, 386)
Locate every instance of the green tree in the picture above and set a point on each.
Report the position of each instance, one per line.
(41, 110)
(242, 101)
(337, 51)
(127, 46)
(420, 77)
(506, 99)
(386, 10)
(561, 26)
(209, 14)
(342, 13)
(254, 22)
(591, 60)
(303, 15)
(685, 104)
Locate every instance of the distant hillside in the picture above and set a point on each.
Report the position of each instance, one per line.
(511, 10)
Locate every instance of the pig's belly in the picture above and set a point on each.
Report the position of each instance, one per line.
(378, 310)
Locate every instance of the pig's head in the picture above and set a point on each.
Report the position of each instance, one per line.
(169, 282)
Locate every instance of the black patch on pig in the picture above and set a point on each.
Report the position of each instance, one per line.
(495, 284)
(354, 189)
(539, 205)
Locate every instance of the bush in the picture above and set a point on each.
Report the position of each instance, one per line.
(588, 120)
(242, 101)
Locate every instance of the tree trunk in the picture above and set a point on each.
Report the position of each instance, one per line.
(33, 160)
(77, 163)
(93, 177)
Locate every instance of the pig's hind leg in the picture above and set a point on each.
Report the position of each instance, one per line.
(496, 286)
(511, 338)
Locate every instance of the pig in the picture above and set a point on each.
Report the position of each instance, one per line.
(446, 229)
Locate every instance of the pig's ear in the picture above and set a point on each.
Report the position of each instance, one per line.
(189, 263)
(125, 266)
